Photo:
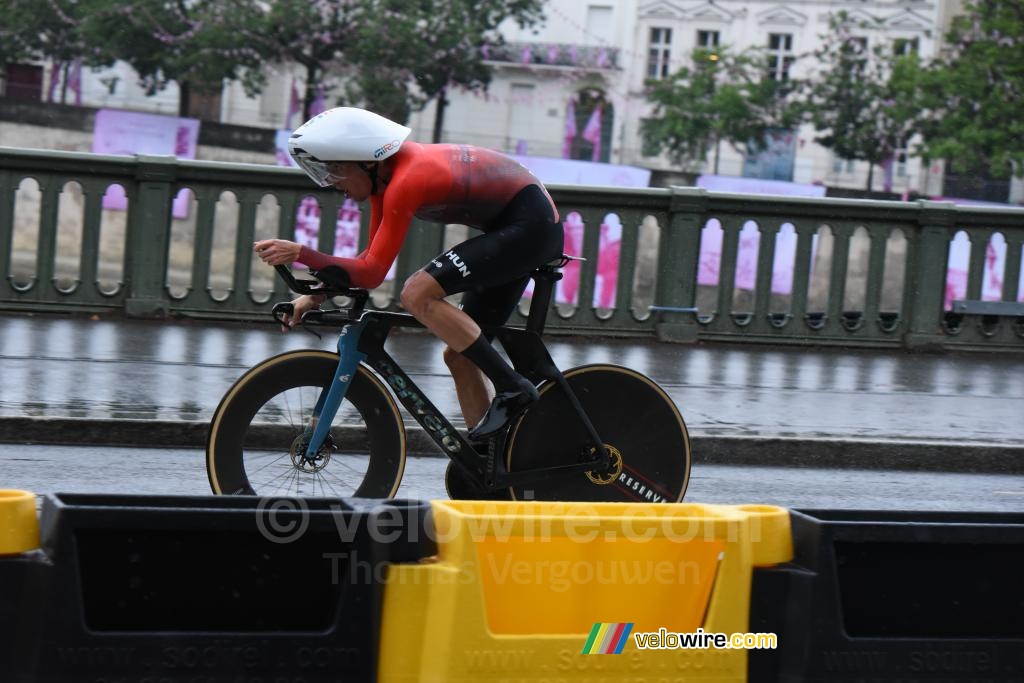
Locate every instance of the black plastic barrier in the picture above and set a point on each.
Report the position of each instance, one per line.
(203, 589)
(894, 596)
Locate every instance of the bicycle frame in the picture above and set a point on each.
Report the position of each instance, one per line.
(362, 339)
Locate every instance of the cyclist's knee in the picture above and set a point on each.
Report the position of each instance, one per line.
(416, 296)
(420, 292)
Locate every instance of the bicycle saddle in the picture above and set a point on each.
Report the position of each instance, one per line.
(555, 265)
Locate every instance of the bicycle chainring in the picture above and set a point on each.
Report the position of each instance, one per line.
(605, 477)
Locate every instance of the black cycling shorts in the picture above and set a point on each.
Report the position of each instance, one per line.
(494, 268)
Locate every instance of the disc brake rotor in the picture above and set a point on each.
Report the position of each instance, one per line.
(304, 464)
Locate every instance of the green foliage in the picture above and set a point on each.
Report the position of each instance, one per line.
(860, 100)
(384, 91)
(317, 34)
(37, 30)
(452, 34)
(15, 45)
(719, 97)
(975, 92)
(391, 55)
(427, 46)
(191, 43)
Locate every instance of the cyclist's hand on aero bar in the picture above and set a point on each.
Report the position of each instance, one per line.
(277, 252)
(300, 305)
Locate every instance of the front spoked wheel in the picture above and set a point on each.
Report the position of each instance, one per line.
(640, 425)
(257, 443)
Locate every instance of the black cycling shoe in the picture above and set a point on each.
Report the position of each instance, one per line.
(503, 409)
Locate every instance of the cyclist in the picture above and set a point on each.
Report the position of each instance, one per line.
(366, 156)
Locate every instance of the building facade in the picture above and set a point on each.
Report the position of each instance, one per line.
(573, 87)
(544, 90)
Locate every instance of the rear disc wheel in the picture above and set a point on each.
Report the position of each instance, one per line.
(643, 431)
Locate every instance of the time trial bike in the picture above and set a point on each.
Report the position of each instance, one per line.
(317, 423)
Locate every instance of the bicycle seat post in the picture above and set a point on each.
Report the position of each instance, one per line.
(544, 279)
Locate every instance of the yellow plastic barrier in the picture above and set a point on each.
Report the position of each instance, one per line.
(19, 526)
(517, 588)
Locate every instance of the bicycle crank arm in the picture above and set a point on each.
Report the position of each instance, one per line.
(504, 479)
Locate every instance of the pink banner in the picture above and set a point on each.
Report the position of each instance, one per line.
(75, 81)
(346, 229)
(319, 103)
(567, 289)
(570, 129)
(606, 279)
(294, 107)
(746, 256)
(958, 268)
(750, 238)
(55, 76)
(128, 133)
(592, 133)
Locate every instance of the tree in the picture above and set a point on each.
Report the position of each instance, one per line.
(14, 44)
(384, 90)
(974, 92)
(194, 44)
(47, 30)
(439, 43)
(860, 100)
(315, 34)
(719, 98)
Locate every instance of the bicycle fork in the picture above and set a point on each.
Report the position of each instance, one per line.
(319, 425)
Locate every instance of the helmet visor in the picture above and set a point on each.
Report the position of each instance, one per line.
(320, 172)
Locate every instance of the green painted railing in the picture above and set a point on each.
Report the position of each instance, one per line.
(857, 273)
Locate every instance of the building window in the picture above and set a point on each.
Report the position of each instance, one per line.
(780, 55)
(901, 163)
(659, 52)
(707, 39)
(900, 159)
(904, 46)
(599, 25)
(840, 165)
(23, 82)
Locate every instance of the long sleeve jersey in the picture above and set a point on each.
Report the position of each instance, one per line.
(439, 183)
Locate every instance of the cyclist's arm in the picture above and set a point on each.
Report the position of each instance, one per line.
(375, 214)
(369, 268)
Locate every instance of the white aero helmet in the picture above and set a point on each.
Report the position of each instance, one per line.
(343, 134)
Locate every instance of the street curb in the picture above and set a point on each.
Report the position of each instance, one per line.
(713, 449)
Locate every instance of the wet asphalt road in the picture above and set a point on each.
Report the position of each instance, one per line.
(63, 367)
(150, 370)
(50, 469)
